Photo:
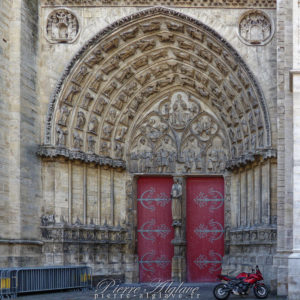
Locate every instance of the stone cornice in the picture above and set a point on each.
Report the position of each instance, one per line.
(250, 157)
(53, 152)
(173, 3)
(253, 236)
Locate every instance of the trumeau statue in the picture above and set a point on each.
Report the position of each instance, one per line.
(176, 194)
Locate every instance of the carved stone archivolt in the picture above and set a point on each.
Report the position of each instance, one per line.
(62, 26)
(162, 91)
(255, 28)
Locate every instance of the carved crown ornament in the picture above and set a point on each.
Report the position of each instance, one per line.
(176, 3)
(62, 26)
(162, 92)
(255, 28)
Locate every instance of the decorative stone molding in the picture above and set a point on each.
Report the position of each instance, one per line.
(78, 233)
(255, 28)
(250, 157)
(62, 26)
(176, 3)
(253, 236)
(52, 152)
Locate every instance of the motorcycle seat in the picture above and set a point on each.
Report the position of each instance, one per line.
(230, 277)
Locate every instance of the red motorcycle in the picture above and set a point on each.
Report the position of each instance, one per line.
(241, 284)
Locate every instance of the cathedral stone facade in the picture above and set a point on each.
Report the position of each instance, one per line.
(130, 128)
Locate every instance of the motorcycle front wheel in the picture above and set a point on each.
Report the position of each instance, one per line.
(261, 291)
(220, 293)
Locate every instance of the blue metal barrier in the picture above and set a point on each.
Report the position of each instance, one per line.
(14, 281)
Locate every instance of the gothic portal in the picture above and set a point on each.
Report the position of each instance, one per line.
(158, 97)
(150, 142)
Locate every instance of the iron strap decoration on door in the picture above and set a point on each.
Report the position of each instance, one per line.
(155, 231)
(205, 228)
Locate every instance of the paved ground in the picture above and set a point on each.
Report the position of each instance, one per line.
(188, 291)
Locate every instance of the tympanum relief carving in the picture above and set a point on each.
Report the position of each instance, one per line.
(178, 134)
(62, 26)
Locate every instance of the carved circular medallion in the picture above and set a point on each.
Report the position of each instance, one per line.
(62, 26)
(255, 28)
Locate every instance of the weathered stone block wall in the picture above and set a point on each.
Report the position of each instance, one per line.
(5, 17)
(20, 134)
(284, 141)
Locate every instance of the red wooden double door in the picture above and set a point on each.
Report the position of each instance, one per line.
(204, 228)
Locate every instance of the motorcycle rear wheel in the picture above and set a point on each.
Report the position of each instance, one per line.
(219, 292)
(261, 291)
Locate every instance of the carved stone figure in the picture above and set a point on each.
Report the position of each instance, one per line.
(96, 83)
(128, 52)
(130, 88)
(118, 150)
(129, 34)
(100, 105)
(95, 58)
(146, 44)
(176, 194)
(121, 132)
(91, 144)
(80, 120)
(93, 125)
(61, 137)
(255, 28)
(160, 54)
(172, 26)
(77, 141)
(73, 91)
(107, 130)
(62, 26)
(141, 62)
(80, 75)
(142, 79)
(213, 46)
(112, 115)
(64, 115)
(125, 75)
(87, 100)
(166, 37)
(112, 65)
(151, 26)
(163, 160)
(119, 101)
(110, 89)
(195, 34)
(110, 45)
(104, 148)
(189, 160)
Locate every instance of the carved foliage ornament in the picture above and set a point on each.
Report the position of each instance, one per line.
(62, 26)
(255, 28)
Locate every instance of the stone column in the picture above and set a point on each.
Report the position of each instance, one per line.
(294, 258)
(178, 216)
